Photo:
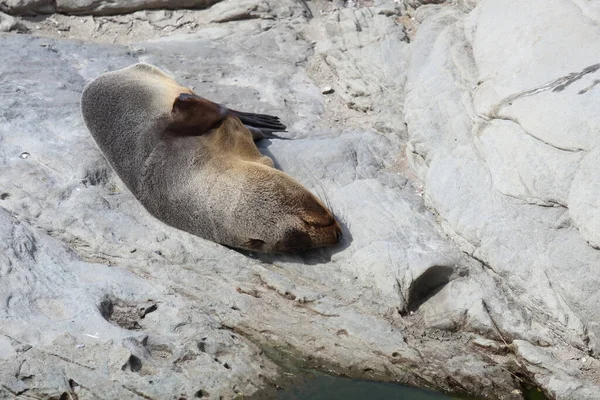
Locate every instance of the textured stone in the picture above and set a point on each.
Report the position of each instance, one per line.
(500, 117)
(95, 7)
(342, 306)
(9, 24)
(468, 208)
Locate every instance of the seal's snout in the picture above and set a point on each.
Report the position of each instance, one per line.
(320, 223)
(338, 235)
(335, 236)
(316, 229)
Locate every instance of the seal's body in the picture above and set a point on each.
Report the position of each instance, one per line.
(193, 164)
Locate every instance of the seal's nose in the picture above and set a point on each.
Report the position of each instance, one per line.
(338, 235)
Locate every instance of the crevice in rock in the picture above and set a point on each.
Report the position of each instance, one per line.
(494, 115)
(590, 87)
(484, 264)
(65, 359)
(123, 314)
(427, 285)
(307, 11)
(137, 393)
(555, 85)
(242, 16)
(575, 76)
(540, 203)
(133, 364)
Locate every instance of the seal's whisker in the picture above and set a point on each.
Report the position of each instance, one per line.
(325, 197)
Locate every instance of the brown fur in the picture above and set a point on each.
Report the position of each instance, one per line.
(195, 167)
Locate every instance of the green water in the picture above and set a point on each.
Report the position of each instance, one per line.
(321, 386)
(327, 387)
(302, 383)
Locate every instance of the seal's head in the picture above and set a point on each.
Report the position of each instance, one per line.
(282, 216)
(266, 210)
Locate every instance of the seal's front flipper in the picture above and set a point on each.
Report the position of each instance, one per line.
(261, 126)
(194, 115)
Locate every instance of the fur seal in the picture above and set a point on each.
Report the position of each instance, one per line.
(193, 164)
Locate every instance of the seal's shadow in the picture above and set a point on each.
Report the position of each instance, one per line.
(310, 257)
(263, 147)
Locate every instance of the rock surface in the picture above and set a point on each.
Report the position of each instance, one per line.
(457, 149)
(95, 7)
(10, 24)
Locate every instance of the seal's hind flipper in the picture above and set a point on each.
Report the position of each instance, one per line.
(259, 120)
(194, 115)
(264, 133)
(261, 126)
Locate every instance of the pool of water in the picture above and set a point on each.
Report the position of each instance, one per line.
(304, 383)
(319, 386)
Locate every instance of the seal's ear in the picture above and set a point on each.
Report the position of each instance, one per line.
(194, 115)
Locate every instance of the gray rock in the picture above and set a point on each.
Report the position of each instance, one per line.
(346, 307)
(470, 232)
(10, 24)
(498, 124)
(357, 45)
(27, 7)
(95, 7)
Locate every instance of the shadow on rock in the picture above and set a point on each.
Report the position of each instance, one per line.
(263, 147)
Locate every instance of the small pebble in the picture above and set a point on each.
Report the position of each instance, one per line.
(327, 90)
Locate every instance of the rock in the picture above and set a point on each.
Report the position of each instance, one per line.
(327, 90)
(154, 24)
(468, 213)
(27, 7)
(344, 307)
(121, 7)
(93, 7)
(495, 119)
(78, 349)
(358, 45)
(224, 10)
(10, 24)
(583, 204)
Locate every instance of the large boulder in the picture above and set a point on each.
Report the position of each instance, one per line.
(95, 7)
(502, 116)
